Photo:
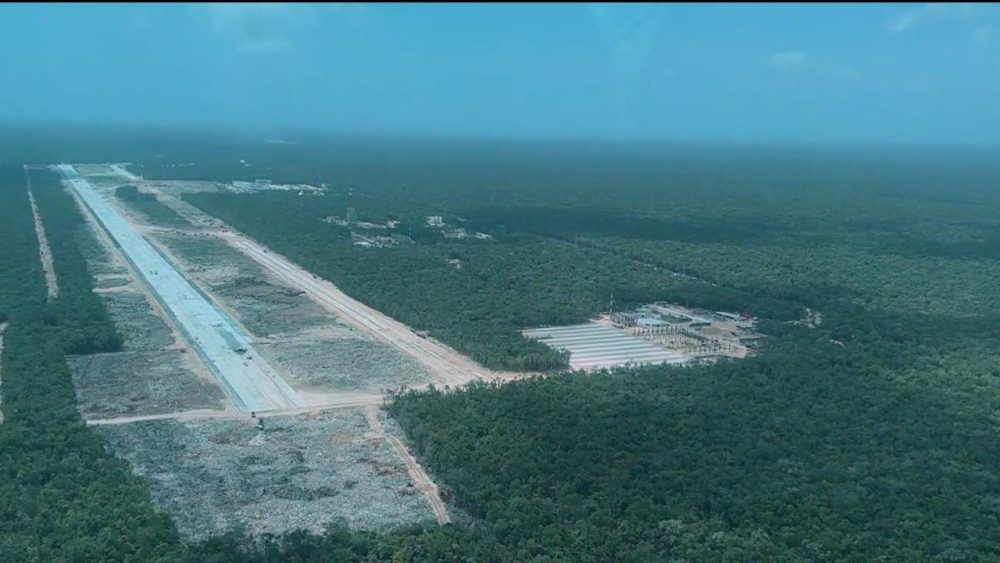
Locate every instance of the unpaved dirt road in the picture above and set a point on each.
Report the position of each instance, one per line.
(3, 326)
(43, 247)
(417, 473)
(349, 401)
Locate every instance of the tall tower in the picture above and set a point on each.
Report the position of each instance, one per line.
(352, 216)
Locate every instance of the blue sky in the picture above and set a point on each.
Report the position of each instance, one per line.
(899, 73)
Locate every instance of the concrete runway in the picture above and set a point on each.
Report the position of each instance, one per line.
(245, 377)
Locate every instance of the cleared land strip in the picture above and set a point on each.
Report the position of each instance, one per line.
(417, 473)
(449, 366)
(246, 378)
(43, 248)
(3, 326)
(117, 169)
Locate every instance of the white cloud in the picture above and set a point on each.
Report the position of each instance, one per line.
(788, 59)
(848, 71)
(904, 21)
(967, 14)
(936, 9)
(257, 28)
(910, 18)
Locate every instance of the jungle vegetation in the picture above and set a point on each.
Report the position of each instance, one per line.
(63, 496)
(838, 442)
(870, 436)
(82, 322)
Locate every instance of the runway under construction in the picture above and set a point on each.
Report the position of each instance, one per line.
(244, 376)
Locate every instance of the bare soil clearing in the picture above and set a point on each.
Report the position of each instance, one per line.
(417, 473)
(95, 170)
(140, 382)
(169, 193)
(348, 363)
(140, 327)
(293, 472)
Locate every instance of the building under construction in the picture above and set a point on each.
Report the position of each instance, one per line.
(652, 334)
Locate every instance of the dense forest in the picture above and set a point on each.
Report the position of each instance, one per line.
(867, 437)
(818, 456)
(21, 265)
(83, 324)
(63, 497)
(871, 436)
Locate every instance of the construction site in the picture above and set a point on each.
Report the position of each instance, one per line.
(248, 390)
(658, 333)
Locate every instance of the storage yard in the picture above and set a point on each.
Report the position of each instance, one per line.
(653, 334)
(595, 346)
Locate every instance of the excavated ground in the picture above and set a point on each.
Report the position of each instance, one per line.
(296, 472)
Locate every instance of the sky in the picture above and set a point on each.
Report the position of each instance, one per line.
(853, 73)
